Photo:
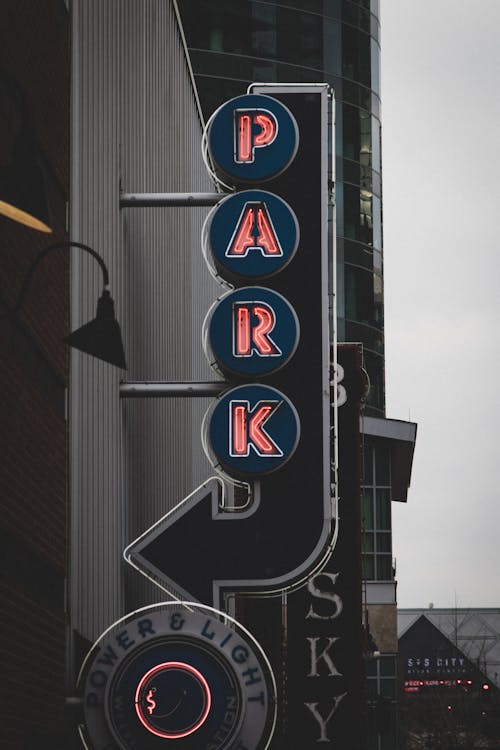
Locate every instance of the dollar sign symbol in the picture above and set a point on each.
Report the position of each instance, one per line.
(152, 703)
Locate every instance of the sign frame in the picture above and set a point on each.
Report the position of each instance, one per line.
(316, 560)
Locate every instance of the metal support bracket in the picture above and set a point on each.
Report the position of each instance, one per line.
(151, 200)
(148, 389)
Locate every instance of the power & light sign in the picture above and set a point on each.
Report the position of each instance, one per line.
(177, 675)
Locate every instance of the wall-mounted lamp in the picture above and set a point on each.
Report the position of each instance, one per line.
(23, 195)
(101, 337)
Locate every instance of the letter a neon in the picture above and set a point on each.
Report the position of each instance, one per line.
(254, 231)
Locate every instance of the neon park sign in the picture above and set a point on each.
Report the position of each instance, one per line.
(177, 675)
(252, 331)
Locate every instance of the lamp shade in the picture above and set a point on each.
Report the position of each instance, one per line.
(101, 337)
(23, 196)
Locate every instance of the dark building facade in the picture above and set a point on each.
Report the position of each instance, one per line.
(34, 108)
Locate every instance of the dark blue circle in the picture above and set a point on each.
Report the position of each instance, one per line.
(269, 160)
(282, 427)
(223, 223)
(218, 674)
(222, 339)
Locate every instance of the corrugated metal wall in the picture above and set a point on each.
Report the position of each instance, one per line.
(134, 123)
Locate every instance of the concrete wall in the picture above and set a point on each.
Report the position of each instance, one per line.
(383, 627)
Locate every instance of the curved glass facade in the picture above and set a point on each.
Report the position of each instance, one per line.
(235, 42)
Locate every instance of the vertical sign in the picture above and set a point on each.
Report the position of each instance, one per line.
(252, 332)
(270, 337)
(270, 240)
(324, 649)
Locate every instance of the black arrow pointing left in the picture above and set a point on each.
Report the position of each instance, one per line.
(201, 550)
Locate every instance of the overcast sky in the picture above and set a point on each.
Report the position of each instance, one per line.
(441, 150)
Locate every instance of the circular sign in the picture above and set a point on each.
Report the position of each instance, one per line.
(176, 676)
(162, 716)
(251, 235)
(250, 332)
(251, 139)
(251, 430)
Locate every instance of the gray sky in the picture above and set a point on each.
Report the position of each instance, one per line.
(441, 151)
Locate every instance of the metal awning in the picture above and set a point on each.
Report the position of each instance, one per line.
(402, 436)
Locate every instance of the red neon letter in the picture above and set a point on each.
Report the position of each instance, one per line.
(253, 322)
(254, 231)
(247, 429)
(246, 121)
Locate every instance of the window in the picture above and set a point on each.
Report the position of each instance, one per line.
(376, 512)
(374, 365)
(356, 55)
(359, 302)
(381, 695)
(263, 30)
(357, 134)
(358, 223)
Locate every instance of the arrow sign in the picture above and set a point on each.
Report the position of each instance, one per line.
(194, 546)
(201, 548)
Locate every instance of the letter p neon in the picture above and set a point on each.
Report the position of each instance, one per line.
(253, 128)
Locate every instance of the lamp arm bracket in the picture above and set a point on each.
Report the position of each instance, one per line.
(41, 255)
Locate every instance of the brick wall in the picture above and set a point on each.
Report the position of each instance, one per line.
(33, 372)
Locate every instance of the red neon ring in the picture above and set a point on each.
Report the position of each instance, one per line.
(201, 680)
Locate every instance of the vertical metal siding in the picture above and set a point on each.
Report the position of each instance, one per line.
(134, 121)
